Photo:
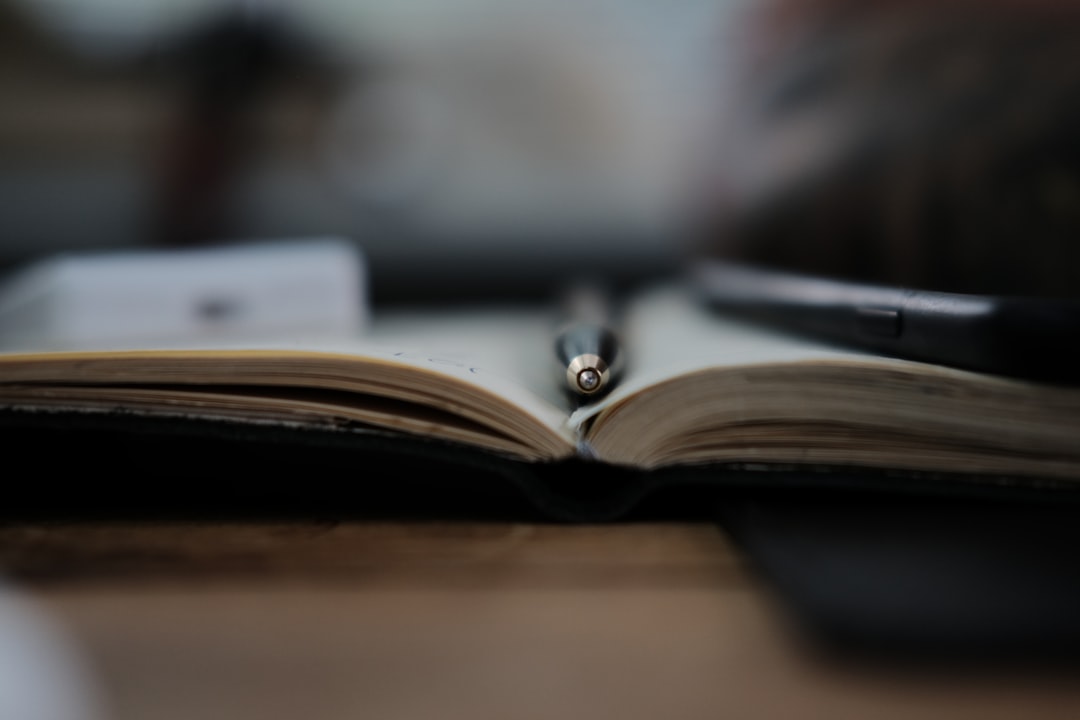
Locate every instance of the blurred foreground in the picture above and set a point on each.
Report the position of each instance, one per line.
(284, 619)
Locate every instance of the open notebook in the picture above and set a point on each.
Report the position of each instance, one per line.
(698, 390)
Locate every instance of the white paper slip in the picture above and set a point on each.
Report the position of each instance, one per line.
(306, 287)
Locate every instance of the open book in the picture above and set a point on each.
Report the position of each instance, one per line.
(698, 389)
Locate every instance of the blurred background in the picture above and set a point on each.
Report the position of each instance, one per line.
(909, 142)
(483, 148)
(469, 147)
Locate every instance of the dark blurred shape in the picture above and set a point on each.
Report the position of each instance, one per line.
(227, 66)
(928, 144)
(928, 580)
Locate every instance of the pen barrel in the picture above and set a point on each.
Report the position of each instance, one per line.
(591, 357)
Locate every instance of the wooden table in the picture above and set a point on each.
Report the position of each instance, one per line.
(327, 619)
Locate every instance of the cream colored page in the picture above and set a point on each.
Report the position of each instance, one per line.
(506, 351)
(666, 334)
(503, 352)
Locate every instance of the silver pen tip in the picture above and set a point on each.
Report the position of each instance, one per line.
(587, 374)
(588, 379)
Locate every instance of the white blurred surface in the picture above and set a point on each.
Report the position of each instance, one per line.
(43, 675)
(312, 288)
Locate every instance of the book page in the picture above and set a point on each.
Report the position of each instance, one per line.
(507, 351)
(481, 376)
(667, 334)
(700, 387)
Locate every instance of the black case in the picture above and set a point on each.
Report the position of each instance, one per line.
(1026, 337)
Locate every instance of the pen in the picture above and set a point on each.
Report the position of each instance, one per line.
(586, 345)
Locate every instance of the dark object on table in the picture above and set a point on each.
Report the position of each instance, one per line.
(1031, 338)
(918, 579)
